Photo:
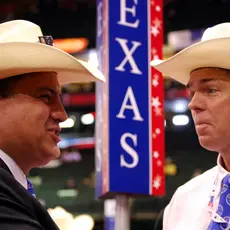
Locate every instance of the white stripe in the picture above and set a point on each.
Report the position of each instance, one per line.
(150, 95)
(107, 86)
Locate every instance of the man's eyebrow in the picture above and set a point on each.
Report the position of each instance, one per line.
(202, 81)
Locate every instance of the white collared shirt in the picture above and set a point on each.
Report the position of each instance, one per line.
(14, 168)
(188, 208)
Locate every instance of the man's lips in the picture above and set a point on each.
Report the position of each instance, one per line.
(202, 127)
(54, 131)
(201, 123)
(55, 136)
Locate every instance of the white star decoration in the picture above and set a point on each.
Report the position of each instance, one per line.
(157, 182)
(158, 111)
(155, 154)
(155, 57)
(154, 51)
(157, 23)
(156, 76)
(155, 102)
(158, 8)
(155, 31)
(155, 82)
(157, 132)
(159, 163)
(152, 3)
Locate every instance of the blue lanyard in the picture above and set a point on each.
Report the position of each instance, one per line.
(215, 216)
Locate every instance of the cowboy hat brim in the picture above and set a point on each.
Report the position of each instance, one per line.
(210, 53)
(26, 57)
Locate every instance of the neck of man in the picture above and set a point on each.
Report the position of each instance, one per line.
(16, 156)
(225, 161)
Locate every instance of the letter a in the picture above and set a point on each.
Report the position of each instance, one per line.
(133, 106)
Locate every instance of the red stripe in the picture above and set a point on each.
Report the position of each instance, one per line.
(157, 121)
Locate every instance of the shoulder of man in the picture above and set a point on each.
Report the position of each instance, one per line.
(191, 189)
(16, 210)
(12, 191)
(198, 182)
(195, 184)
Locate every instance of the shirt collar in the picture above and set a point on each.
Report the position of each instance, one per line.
(14, 168)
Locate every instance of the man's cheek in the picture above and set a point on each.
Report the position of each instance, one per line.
(45, 111)
(42, 113)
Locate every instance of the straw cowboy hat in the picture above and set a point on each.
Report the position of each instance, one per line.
(212, 51)
(24, 49)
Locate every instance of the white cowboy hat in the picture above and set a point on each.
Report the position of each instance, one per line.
(22, 52)
(212, 51)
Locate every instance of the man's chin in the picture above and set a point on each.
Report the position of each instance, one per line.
(56, 153)
(52, 154)
(208, 143)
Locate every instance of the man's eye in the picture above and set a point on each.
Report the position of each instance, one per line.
(212, 91)
(45, 97)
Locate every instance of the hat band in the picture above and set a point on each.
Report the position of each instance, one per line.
(48, 40)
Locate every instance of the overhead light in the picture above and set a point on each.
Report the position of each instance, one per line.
(87, 119)
(71, 45)
(180, 120)
(64, 193)
(179, 105)
(69, 123)
(61, 217)
(84, 222)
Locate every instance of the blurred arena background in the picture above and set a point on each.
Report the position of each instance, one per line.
(69, 181)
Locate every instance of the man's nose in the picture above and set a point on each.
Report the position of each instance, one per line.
(197, 102)
(58, 112)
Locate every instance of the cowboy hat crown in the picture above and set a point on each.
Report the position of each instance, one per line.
(24, 49)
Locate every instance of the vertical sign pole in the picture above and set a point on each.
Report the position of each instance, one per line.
(122, 219)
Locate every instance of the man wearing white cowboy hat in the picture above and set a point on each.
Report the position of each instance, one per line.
(204, 202)
(32, 71)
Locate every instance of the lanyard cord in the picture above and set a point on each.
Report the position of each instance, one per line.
(215, 216)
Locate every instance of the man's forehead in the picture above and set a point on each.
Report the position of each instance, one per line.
(204, 75)
(33, 82)
(47, 81)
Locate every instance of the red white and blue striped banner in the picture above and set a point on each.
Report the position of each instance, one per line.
(129, 106)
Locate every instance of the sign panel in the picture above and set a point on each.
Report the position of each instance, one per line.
(129, 108)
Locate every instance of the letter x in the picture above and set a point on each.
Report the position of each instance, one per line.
(128, 56)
